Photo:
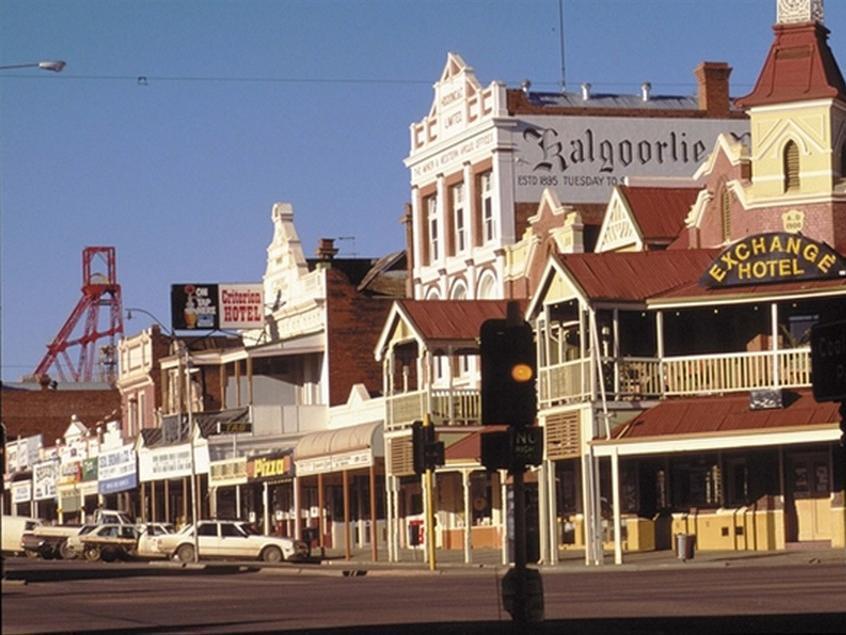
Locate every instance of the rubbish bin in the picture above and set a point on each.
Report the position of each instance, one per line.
(685, 546)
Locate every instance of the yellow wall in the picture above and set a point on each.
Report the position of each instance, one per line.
(810, 127)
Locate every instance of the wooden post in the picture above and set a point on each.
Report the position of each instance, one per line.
(185, 499)
(143, 489)
(153, 502)
(321, 504)
(346, 487)
(374, 549)
(167, 517)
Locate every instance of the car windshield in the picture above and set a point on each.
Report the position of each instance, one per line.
(250, 530)
(87, 529)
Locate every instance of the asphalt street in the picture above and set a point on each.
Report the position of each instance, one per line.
(134, 597)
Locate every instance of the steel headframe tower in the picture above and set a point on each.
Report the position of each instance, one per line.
(99, 289)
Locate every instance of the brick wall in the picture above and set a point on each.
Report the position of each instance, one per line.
(48, 412)
(354, 325)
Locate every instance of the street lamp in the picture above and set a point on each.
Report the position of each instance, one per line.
(184, 362)
(47, 65)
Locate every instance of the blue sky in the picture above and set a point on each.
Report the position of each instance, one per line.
(251, 102)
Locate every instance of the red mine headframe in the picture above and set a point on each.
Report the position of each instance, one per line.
(99, 289)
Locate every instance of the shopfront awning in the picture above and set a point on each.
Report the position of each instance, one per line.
(337, 450)
(232, 420)
(723, 423)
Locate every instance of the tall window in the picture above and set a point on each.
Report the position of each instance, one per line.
(458, 215)
(725, 214)
(432, 216)
(486, 192)
(791, 166)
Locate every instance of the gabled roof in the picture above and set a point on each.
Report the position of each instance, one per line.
(726, 413)
(799, 67)
(659, 211)
(635, 276)
(437, 320)
(436, 323)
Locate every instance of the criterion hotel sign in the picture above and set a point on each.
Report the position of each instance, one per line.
(774, 257)
(216, 306)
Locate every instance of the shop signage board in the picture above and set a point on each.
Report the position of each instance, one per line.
(212, 306)
(334, 463)
(21, 492)
(89, 470)
(117, 470)
(773, 257)
(172, 462)
(22, 453)
(44, 478)
(270, 466)
(228, 472)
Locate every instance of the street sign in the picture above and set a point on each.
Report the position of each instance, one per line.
(828, 361)
(512, 449)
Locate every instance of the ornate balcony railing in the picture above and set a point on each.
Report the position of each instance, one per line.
(653, 378)
(448, 407)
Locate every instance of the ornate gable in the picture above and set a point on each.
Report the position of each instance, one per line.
(619, 229)
(286, 263)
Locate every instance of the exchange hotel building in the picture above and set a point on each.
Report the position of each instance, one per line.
(646, 364)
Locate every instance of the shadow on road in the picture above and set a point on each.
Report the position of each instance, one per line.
(46, 574)
(804, 623)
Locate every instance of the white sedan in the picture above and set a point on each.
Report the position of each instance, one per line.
(230, 539)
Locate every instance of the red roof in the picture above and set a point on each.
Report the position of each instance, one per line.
(636, 275)
(660, 211)
(800, 66)
(670, 275)
(704, 415)
(452, 319)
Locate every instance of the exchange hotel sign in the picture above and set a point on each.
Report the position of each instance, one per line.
(774, 257)
(583, 158)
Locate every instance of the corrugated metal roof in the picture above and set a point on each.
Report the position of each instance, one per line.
(660, 211)
(452, 320)
(730, 413)
(636, 275)
(667, 275)
(609, 100)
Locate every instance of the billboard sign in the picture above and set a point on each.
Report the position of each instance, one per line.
(116, 470)
(212, 306)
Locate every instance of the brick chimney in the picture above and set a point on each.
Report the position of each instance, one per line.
(408, 221)
(326, 250)
(713, 88)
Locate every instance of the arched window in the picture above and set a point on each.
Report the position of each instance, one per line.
(791, 166)
(459, 291)
(486, 287)
(725, 214)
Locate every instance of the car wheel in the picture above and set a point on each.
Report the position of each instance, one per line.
(185, 553)
(272, 554)
(108, 555)
(66, 551)
(92, 554)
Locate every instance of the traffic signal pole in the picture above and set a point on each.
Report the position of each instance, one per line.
(430, 508)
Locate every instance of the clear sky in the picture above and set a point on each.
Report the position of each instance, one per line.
(250, 102)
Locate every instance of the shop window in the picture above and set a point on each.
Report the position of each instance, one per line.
(696, 484)
(737, 482)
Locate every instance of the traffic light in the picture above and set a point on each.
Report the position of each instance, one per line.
(509, 369)
(427, 453)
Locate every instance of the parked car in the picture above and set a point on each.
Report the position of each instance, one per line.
(73, 547)
(110, 542)
(14, 528)
(230, 539)
(148, 540)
